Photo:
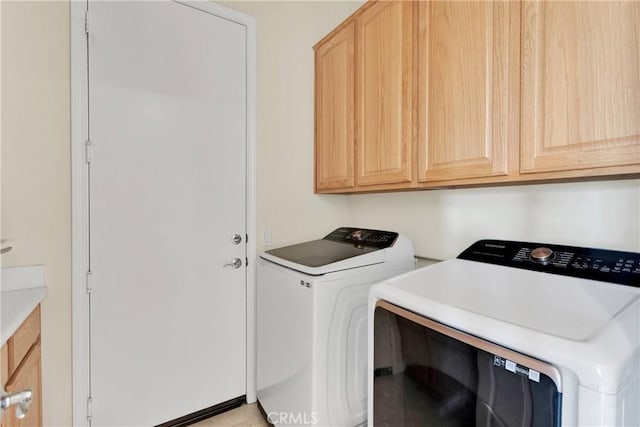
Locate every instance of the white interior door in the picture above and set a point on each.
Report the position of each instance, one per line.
(167, 121)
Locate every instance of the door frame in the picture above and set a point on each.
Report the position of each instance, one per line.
(80, 201)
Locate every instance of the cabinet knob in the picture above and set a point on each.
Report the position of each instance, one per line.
(22, 399)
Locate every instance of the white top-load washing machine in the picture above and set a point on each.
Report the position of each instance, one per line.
(509, 333)
(312, 324)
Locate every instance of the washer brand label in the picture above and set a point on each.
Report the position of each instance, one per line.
(493, 245)
(513, 367)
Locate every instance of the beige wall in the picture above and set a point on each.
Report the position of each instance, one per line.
(441, 223)
(36, 189)
(36, 175)
(36, 151)
(286, 33)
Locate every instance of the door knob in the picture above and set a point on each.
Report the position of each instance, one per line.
(236, 263)
(236, 239)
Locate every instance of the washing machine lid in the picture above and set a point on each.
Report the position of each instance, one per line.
(506, 296)
(564, 307)
(342, 249)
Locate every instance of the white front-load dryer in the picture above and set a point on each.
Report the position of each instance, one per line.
(509, 334)
(312, 324)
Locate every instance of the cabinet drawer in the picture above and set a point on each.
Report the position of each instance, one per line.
(26, 335)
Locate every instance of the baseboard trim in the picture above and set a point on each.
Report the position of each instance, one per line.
(264, 413)
(205, 413)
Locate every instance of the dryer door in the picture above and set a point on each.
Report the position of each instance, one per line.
(426, 373)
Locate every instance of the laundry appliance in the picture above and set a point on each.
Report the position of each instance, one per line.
(312, 324)
(508, 333)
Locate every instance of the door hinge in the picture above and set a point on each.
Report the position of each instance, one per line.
(86, 22)
(246, 262)
(88, 146)
(89, 283)
(89, 408)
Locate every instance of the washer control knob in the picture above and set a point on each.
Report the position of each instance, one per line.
(541, 255)
(357, 235)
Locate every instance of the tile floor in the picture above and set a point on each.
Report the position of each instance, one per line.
(244, 416)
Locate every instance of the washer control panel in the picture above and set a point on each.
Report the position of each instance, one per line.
(587, 263)
(363, 237)
(542, 255)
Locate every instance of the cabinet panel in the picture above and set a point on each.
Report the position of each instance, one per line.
(23, 338)
(334, 137)
(467, 81)
(384, 100)
(28, 376)
(4, 365)
(580, 85)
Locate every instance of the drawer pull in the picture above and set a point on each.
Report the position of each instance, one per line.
(22, 399)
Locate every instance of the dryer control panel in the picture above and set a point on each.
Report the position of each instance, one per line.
(586, 263)
(363, 237)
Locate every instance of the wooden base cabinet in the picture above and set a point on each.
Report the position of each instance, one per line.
(22, 369)
(28, 376)
(479, 93)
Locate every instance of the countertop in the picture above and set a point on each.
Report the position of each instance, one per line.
(22, 290)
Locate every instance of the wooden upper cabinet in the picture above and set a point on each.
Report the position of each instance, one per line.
(580, 85)
(467, 88)
(334, 109)
(384, 93)
(426, 94)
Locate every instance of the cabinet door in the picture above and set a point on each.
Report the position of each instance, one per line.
(28, 376)
(384, 100)
(4, 376)
(4, 365)
(467, 88)
(334, 126)
(22, 340)
(580, 85)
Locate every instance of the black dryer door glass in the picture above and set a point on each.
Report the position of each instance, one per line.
(423, 377)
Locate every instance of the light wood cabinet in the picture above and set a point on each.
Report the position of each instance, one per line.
(335, 113)
(22, 369)
(27, 376)
(479, 93)
(580, 85)
(364, 100)
(4, 365)
(384, 93)
(467, 83)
